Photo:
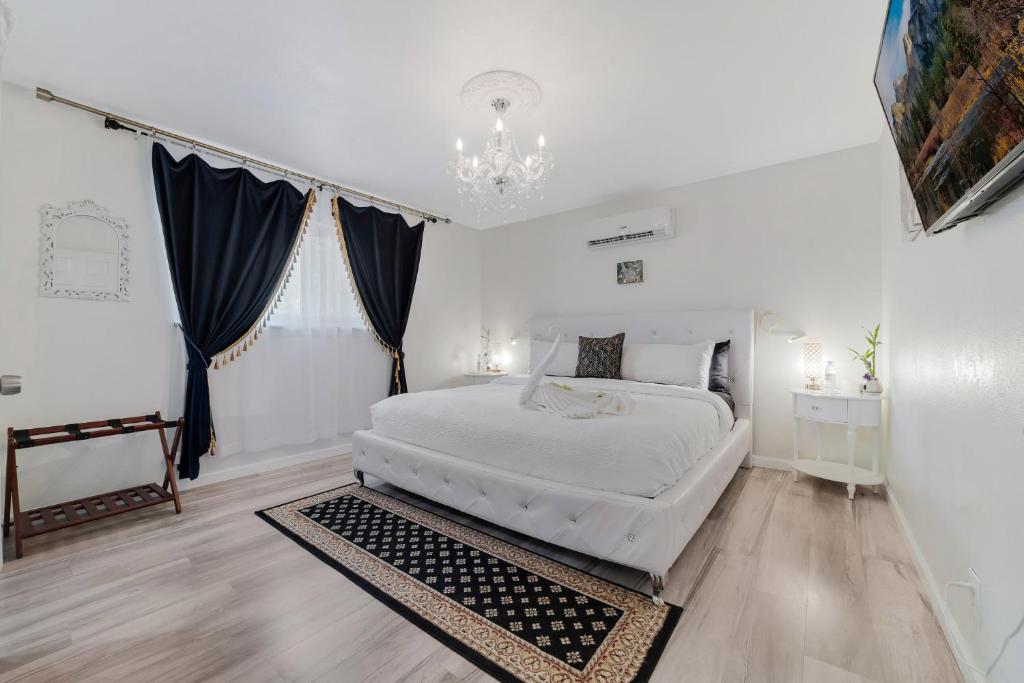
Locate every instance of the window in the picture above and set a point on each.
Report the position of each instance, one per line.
(318, 295)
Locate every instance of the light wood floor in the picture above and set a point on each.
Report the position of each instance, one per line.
(784, 582)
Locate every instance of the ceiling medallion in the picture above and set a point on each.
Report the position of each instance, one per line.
(500, 179)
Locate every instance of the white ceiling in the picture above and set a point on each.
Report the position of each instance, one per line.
(638, 95)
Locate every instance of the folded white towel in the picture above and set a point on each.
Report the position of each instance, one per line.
(563, 400)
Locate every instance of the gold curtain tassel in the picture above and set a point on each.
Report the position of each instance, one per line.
(398, 371)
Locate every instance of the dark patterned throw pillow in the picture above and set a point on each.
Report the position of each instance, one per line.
(719, 375)
(600, 357)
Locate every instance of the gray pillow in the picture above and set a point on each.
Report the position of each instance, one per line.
(600, 357)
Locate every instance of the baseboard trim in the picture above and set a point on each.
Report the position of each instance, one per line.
(771, 463)
(269, 465)
(936, 595)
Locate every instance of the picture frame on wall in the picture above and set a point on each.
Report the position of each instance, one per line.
(629, 272)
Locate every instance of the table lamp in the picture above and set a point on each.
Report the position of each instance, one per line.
(814, 365)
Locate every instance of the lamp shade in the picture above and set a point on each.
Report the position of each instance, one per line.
(814, 363)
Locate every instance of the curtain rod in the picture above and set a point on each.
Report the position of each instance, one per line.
(117, 122)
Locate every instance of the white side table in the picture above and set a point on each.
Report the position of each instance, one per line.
(481, 377)
(852, 410)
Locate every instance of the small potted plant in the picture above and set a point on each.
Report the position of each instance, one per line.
(871, 383)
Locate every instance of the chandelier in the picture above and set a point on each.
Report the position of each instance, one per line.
(501, 179)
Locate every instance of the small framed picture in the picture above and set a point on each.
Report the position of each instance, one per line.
(629, 272)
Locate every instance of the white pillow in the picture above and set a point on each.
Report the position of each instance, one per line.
(688, 365)
(564, 364)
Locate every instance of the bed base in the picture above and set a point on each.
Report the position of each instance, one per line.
(656, 581)
(643, 533)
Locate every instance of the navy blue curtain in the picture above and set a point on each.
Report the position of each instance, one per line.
(229, 237)
(382, 252)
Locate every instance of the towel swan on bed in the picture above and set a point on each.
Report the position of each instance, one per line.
(565, 401)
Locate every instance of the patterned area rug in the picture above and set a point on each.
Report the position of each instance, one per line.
(515, 614)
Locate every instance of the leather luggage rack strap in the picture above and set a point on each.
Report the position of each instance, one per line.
(76, 431)
(22, 438)
(117, 424)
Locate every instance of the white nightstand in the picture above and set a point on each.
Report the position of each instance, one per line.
(472, 378)
(852, 410)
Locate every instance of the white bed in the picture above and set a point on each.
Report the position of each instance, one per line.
(463, 448)
(640, 454)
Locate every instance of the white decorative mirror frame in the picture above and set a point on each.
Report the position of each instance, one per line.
(83, 253)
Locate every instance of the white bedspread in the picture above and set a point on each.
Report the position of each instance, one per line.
(639, 454)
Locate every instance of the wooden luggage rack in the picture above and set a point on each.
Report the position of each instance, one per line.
(91, 508)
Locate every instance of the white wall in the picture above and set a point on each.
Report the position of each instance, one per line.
(86, 360)
(799, 239)
(954, 315)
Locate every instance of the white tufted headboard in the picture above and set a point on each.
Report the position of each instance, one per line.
(671, 327)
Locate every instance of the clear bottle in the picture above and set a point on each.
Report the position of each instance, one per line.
(830, 376)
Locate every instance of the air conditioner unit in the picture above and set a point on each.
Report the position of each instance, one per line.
(629, 228)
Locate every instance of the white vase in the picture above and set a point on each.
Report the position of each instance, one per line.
(871, 386)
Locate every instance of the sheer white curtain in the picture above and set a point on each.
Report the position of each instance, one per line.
(315, 372)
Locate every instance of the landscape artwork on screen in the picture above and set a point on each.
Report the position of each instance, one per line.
(950, 76)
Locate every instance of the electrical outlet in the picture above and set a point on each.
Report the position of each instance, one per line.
(975, 580)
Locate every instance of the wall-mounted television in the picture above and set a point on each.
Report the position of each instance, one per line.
(950, 75)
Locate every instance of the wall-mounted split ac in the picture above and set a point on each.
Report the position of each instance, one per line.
(629, 228)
